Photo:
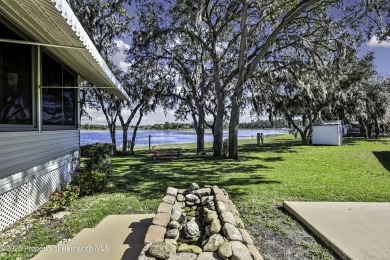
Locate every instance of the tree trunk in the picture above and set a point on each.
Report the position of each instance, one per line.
(305, 134)
(233, 128)
(125, 125)
(377, 131)
(125, 134)
(132, 144)
(369, 130)
(218, 126)
(112, 128)
(363, 128)
(200, 132)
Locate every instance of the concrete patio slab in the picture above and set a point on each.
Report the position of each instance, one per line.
(115, 237)
(353, 230)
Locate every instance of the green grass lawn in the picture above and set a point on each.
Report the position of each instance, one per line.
(258, 183)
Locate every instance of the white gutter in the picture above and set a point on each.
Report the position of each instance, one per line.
(67, 12)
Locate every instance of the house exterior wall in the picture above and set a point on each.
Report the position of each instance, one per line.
(32, 165)
(327, 135)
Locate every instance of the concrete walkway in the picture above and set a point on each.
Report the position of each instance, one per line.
(115, 237)
(359, 231)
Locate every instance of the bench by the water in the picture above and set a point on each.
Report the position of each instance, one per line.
(166, 152)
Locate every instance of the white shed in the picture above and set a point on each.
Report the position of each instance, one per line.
(328, 132)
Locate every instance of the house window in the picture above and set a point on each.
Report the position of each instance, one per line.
(15, 81)
(59, 104)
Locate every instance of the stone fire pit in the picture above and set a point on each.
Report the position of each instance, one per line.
(201, 224)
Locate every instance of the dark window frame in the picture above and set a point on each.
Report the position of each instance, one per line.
(63, 126)
(32, 126)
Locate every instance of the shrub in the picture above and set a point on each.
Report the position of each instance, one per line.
(98, 155)
(96, 172)
(91, 181)
(65, 197)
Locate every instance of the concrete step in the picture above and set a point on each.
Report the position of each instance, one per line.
(115, 237)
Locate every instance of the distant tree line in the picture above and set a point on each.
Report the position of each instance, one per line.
(169, 126)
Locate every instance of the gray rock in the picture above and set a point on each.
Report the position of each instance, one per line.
(216, 190)
(181, 191)
(222, 207)
(180, 197)
(172, 233)
(192, 228)
(174, 224)
(182, 219)
(169, 199)
(239, 222)
(246, 238)
(171, 191)
(207, 230)
(206, 199)
(211, 215)
(155, 234)
(190, 203)
(162, 250)
(183, 248)
(175, 215)
(171, 241)
(191, 197)
(234, 209)
(231, 232)
(145, 255)
(213, 243)
(228, 217)
(164, 208)
(203, 192)
(188, 240)
(240, 251)
(254, 252)
(208, 256)
(197, 202)
(192, 213)
(177, 206)
(161, 219)
(184, 256)
(193, 187)
(195, 249)
(225, 250)
(60, 215)
(215, 227)
(223, 198)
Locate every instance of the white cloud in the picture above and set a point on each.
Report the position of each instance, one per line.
(119, 58)
(373, 42)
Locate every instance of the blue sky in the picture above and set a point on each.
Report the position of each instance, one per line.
(382, 55)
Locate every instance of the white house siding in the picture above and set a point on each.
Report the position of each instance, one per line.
(32, 165)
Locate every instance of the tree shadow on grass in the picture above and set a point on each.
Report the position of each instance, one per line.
(381, 141)
(354, 140)
(272, 159)
(277, 147)
(150, 180)
(384, 158)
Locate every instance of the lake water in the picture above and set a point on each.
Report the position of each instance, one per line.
(159, 137)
